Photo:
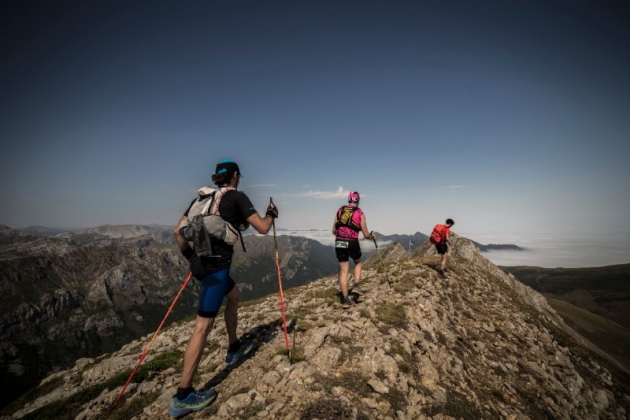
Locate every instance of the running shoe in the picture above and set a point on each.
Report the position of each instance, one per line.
(243, 350)
(347, 302)
(195, 401)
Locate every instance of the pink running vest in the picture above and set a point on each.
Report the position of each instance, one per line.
(345, 232)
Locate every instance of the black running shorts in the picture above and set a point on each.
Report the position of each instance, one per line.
(347, 249)
(442, 248)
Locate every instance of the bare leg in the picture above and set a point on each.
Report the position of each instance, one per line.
(343, 277)
(443, 264)
(358, 265)
(194, 351)
(231, 313)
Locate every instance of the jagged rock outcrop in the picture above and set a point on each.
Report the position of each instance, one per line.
(475, 344)
(82, 293)
(62, 300)
(465, 249)
(26, 315)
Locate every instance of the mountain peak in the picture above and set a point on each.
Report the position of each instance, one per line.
(476, 344)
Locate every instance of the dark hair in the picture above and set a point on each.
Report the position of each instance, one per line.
(450, 222)
(223, 178)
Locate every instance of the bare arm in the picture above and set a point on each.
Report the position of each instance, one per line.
(334, 229)
(181, 241)
(261, 224)
(366, 233)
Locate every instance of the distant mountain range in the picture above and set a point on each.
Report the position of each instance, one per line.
(409, 242)
(43, 230)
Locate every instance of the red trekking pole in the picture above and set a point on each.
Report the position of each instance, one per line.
(284, 318)
(153, 339)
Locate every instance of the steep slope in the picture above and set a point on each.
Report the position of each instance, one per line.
(477, 344)
(574, 292)
(84, 293)
(61, 301)
(601, 290)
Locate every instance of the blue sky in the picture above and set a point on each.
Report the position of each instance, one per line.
(492, 113)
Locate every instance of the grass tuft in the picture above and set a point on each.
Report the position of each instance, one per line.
(393, 315)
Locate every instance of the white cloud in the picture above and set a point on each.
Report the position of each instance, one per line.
(453, 188)
(324, 194)
(261, 186)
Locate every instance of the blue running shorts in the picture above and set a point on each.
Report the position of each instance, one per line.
(213, 289)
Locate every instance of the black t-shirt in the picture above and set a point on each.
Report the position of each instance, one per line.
(235, 207)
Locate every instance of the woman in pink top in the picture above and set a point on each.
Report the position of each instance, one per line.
(349, 221)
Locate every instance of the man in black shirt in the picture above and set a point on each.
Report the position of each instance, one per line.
(214, 274)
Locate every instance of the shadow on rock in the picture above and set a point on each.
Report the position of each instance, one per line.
(258, 335)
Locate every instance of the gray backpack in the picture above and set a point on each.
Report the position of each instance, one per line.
(205, 224)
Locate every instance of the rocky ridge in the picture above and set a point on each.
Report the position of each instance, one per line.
(476, 344)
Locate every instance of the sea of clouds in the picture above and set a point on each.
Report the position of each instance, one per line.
(560, 248)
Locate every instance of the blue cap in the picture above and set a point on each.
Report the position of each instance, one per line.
(227, 165)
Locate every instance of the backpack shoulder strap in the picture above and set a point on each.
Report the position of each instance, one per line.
(214, 206)
(214, 209)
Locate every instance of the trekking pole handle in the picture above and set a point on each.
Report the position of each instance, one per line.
(272, 206)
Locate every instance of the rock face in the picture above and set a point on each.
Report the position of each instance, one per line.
(83, 293)
(65, 298)
(476, 344)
